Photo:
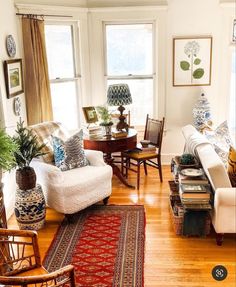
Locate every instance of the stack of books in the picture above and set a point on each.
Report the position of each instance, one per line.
(149, 149)
(93, 131)
(193, 195)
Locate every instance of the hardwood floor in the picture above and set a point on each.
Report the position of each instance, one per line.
(170, 260)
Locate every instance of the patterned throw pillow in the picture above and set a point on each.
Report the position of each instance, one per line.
(69, 154)
(43, 131)
(221, 140)
(232, 166)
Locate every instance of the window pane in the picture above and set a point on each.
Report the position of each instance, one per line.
(65, 104)
(129, 49)
(59, 46)
(142, 96)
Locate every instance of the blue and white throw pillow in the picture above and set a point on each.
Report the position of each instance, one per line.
(69, 154)
(221, 140)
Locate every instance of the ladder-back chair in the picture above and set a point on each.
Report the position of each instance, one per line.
(154, 133)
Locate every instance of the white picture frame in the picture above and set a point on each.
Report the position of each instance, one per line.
(192, 57)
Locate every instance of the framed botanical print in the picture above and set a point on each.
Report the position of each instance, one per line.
(13, 77)
(90, 115)
(192, 58)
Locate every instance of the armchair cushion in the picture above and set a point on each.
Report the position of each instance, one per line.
(69, 154)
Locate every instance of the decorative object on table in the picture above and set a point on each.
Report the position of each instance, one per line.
(105, 119)
(122, 258)
(29, 200)
(30, 208)
(232, 166)
(17, 106)
(90, 115)
(234, 31)
(119, 134)
(119, 95)
(69, 154)
(13, 77)
(192, 61)
(202, 113)
(11, 46)
(221, 140)
(192, 172)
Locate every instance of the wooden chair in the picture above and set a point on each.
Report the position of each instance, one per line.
(154, 133)
(19, 254)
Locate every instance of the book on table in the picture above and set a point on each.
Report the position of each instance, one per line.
(119, 134)
(194, 188)
(193, 180)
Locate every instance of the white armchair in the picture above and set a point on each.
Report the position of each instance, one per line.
(73, 190)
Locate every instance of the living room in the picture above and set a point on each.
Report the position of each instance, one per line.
(91, 26)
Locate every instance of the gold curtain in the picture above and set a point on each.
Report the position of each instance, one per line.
(37, 87)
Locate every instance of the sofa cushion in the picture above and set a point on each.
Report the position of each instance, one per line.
(69, 154)
(43, 131)
(232, 166)
(221, 140)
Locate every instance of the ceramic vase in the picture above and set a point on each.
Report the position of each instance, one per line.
(30, 208)
(202, 113)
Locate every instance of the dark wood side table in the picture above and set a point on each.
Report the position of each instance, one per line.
(111, 145)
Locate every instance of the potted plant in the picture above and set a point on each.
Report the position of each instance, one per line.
(105, 119)
(30, 207)
(7, 151)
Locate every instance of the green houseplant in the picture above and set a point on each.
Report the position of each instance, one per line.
(7, 151)
(105, 119)
(28, 148)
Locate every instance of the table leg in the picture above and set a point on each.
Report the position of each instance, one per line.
(116, 171)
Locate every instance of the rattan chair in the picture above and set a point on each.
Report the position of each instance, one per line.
(20, 263)
(154, 133)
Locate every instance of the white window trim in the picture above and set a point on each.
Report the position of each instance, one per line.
(77, 70)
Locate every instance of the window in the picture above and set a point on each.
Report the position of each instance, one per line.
(232, 111)
(62, 73)
(129, 59)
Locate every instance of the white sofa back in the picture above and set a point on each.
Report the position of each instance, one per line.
(214, 168)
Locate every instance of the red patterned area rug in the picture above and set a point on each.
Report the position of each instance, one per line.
(105, 244)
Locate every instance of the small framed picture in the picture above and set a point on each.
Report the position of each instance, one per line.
(90, 115)
(192, 61)
(13, 77)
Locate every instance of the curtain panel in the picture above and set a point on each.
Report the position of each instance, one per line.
(37, 86)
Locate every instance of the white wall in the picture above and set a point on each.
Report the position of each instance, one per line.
(8, 25)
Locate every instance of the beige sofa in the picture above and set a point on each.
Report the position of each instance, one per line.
(224, 210)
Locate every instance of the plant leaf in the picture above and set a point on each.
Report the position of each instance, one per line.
(197, 61)
(184, 65)
(197, 74)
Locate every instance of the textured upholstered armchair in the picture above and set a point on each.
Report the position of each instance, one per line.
(72, 190)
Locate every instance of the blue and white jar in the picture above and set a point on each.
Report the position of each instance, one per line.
(30, 208)
(202, 113)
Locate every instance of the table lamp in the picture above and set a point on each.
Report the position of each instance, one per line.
(119, 95)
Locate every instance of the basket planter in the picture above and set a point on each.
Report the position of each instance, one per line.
(26, 178)
(30, 208)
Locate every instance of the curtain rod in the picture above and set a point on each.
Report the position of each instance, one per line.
(22, 14)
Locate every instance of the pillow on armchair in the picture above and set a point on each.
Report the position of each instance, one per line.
(232, 166)
(69, 153)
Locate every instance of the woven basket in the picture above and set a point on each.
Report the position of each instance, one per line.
(26, 178)
(176, 220)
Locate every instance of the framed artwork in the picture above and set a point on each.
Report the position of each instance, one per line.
(192, 58)
(13, 77)
(90, 115)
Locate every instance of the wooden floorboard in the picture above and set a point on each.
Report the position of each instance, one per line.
(170, 260)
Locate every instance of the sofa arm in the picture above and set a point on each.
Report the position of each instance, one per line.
(225, 196)
(94, 157)
(47, 171)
